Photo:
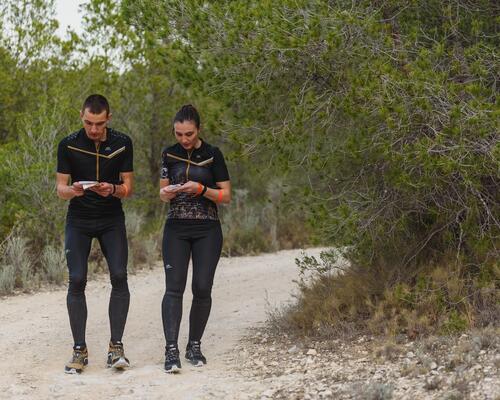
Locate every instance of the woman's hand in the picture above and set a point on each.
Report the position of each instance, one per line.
(167, 193)
(190, 187)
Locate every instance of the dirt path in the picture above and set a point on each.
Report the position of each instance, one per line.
(35, 339)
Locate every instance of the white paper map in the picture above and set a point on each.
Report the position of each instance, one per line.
(88, 184)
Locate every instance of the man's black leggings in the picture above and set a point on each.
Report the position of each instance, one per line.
(112, 237)
(183, 239)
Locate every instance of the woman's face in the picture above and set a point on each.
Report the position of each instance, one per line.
(186, 134)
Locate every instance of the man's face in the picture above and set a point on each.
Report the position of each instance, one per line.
(186, 134)
(95, 124)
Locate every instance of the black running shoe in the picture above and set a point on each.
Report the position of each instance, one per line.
(79, 360)
(172, 361)
(194, 354)
(116, 356)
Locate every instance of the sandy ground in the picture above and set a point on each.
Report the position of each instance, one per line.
(35, 338)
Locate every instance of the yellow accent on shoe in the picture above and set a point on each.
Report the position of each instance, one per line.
(116, 356)
(78, 361)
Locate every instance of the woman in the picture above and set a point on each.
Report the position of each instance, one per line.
(194, 179)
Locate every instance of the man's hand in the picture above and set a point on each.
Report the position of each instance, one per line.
(77, 189)
(104, 189)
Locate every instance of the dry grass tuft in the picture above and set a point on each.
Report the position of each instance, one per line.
(375, 391)
(392, 301)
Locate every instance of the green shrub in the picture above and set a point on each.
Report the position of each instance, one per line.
(436, 299)
(251, 228)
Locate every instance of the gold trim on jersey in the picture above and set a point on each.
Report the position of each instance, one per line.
(108, 156)
(199, 164)
(97, 155)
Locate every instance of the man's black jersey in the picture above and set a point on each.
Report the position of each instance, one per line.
(80, 157)
(205, 165)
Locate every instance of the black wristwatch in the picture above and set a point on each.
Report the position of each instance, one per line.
(204, 190)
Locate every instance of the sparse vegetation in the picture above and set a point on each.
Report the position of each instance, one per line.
(441, 300)
(16, 265)
(54, 264)
(375, 391)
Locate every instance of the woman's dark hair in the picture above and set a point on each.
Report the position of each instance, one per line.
(188, 113)
(96, 104)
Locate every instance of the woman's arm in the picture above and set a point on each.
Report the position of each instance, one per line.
(220, 195)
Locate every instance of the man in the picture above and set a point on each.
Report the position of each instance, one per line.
(94, 172)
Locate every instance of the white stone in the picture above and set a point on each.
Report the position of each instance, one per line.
(293, 349)
(312, 352)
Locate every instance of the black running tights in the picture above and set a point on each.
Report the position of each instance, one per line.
(182, 240)
(112, 237)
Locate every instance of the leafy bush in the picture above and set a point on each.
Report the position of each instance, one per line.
(384, 118)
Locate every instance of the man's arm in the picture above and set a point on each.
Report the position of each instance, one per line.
(128, 180)
(66, 192)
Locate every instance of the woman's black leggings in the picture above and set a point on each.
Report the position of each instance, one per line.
(182, 240)
(112, 237)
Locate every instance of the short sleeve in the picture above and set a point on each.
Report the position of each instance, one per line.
(219, 168)
(164, 166)
(128, 159)
(63, 164)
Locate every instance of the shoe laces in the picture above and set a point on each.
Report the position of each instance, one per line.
(172, 353)
(78, 355)
(117, 349)
(195, 348)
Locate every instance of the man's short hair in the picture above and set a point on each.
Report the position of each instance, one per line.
(96, 104)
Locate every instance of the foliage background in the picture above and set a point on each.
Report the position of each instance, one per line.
(368, 126)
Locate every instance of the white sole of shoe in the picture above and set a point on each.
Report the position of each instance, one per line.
(71, 371)
(198, 364)
(174, 370)
(120, 364)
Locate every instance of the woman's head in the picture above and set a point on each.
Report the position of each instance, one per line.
(187, 127)
(188, 113)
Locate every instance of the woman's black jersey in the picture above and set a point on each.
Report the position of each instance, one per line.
(205, 165)
(80, 157)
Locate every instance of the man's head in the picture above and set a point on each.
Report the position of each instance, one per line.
(95, 116)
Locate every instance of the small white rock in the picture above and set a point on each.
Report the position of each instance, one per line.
(293, 349)
(268, 393)
(311, 352)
